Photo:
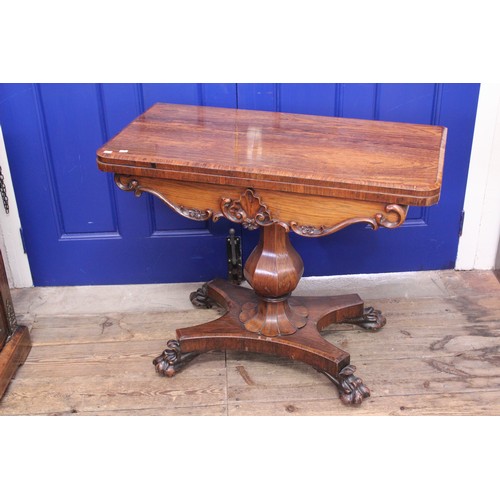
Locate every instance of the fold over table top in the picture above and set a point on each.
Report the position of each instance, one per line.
(346, 158)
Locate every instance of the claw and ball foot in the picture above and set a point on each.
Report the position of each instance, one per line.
(200, 298)
(372, 319)
(352, 390)
(171, 360)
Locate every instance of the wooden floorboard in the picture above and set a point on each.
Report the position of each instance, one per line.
(439, 354)
(471, 404)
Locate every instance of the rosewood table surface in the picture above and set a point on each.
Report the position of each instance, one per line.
(279, 172)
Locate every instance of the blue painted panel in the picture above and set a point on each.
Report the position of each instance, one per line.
(308, 98)
(20, 121)
(222, 95)
(141, 241)
(416, 214)
(72, 125)
(457, 112)
(258, 96)
(175, 93)
(411, 103)
(122, 103)
(359, 100)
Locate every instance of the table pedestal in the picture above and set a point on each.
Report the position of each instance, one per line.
(268, 320)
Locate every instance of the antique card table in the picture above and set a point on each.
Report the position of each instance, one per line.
(277, 172)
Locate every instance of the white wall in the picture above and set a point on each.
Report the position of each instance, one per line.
(479, 244)
(15, 260)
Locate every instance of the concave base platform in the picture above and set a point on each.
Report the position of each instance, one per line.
(306, 344)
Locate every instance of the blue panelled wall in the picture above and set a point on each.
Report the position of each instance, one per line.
(80, 229)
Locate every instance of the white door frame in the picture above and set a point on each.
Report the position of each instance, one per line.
(16, 261)
(479, 245)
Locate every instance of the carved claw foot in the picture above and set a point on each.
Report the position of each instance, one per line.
(352, 391)
(351, 388)
(372, 319)
(201, 299)
(171, 360)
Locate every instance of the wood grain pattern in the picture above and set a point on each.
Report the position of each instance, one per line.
(13, 355)
(15, 342)
(306, 344)
(346, 158)
(7, 315)
(273, 270)
(301, 213)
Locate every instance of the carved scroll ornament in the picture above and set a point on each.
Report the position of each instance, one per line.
(130, 184)
(251, 212)
(378, 220)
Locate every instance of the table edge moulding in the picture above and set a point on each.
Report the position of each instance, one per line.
(280, 173)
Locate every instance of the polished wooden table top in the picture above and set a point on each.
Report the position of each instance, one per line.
(340, 157)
